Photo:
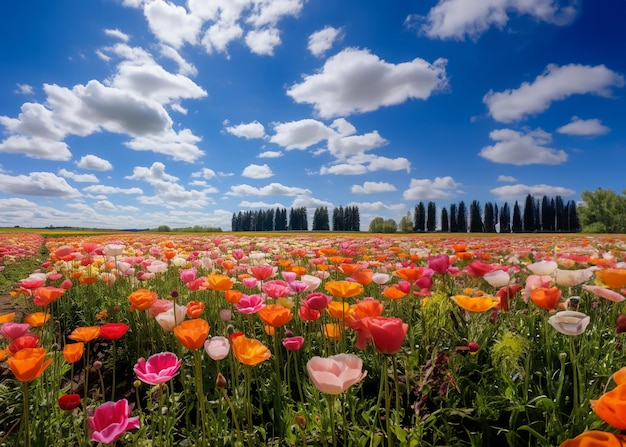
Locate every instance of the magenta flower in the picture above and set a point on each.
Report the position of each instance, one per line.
(111, 420)
(337, 373)
(187, 275)
(277, 288)
(250, 304)
(293, 343)
(11, 331)
(318, 300)
(159, 368)
(439, 263)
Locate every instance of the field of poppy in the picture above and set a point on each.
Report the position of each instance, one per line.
(315, 339)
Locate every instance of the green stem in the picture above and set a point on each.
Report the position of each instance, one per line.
(331, 411)
(385, 377)
(25, 414)
(114, 348)
(397, 389)
(200, 393)
(234, 415)
(575, 375)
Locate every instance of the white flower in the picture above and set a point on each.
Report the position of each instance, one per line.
(542, 268)
(166, 319)
(569, 278)
(497, 278)
(569, 322)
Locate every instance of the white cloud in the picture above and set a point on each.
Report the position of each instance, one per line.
(518, 148)
(439, 188)
(454, 19)
(270, 154)
(343, 146)
(263, 42)
(356, 81)
(109, 206)
(185, 67)
(506, 178)
(321, 41)
(269, 12)
(205, 173)
(248, 130)
(556, 83)
(36, 147)
(43, 184)
(94, 163)
(171, 23)
(306, 201)
(273, 189)
(24, 89)
(362, 163)
(259, 204)
(520, 191)
(155, 174)
(117, 34)
(178, 145)
(257, 171)
(104, 190)
(378, 206)
(300, 134)
(372, 188)
(590, 127)
(81, 178)
(344, 169)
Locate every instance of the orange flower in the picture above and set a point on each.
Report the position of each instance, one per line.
(619, 377)
(611, 406)
(332, 330)
(249, 351)
(394, 293)
(367, 308)
(217, 281)
(46, 295)
(476, 304)
(363, 277)
(349, 269)
(275, 315)
(72, 352)
(7, 318)
(3, 354)
(546, 297)
(37, 319)
(612, 278)
(192, 333)
(141, 299)
(344, 289)
(338, 309)
(410, 274)
(233, 296)
(596, 438)
(195, 309)
(297, 269)
(28, 364)
(85, 333)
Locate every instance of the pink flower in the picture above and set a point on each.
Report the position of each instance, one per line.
(318, 300)
(337, 373)
(250, 304)
(293, 343)
(477, 268)
(298, 286)
(187, 275)
(217, 347)
(160, 306)
(439, 263)
(159, 368)
(249, 282)
(600, 291)
(276, 288)
(11, 331)
(111, 420)
(262, 272)
(289, 276)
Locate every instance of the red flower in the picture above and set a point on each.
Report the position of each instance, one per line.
(387, 333)
(28, 340)
(113, 331)
(68, 402)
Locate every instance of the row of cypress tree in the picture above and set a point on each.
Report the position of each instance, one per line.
(343, 219)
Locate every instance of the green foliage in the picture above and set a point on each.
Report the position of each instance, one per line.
(603, 211)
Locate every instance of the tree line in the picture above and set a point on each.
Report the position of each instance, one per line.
(343, 219)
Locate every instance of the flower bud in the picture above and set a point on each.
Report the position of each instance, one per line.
(220, 382)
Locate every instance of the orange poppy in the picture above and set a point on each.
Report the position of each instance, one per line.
(228, 264)
(338, 309)
(297, 269)
(217, 281)
(141, 299)
(344, 289)
(3, 354)
(195, 309)
(7, 318)
(619, 377)
(87, 279)
(363, 277)
(249, 351)
(192, 333)
(46, 295)
(85, 333)
(476, 304)
(337, 259)
(546, 297)
(37, 319)
(611, 407)
(613, 278)
(332, 331)
(596, 438)
(72, 352)
(394, 293)
(275, 315)
(269, 330)
(367, 308)
(410, 274)
(28, 364)
(349, 269)
(233, 296)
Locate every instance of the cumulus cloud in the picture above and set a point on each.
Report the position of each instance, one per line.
(181, 145)
(300, 134)
(105, 190)
(271, 154)
(172, 24)
(259, 204)
(257, 171)
(362, 163)
(372, 188)
(356, 81)
(321, 41)
(273, 189)
(263, 42)
(378, 206)
(24, 89)
(556, 83)
(247, 130)
(519, 191)
(43, 184)
(117, 34)
(522, 148)
(438, 188)
(81, 178)
(580, 127)
(94, 163)
(456, 19)
(153, 175)
(205, 173)
(36, 147)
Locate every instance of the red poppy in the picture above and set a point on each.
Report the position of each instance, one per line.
(113, 331)
(68, 402)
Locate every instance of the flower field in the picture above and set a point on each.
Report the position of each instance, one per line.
(315, 339)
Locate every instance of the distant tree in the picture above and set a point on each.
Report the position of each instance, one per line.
(489, 218)
(406, 223)
(377, 225)
(529, 221)
(454, 227)
(164, 229)
(320, 219)
(505, 218)
(559, 211)
(461, 219)
(420, 218)
(517, 226)
(572, 217)
(445, 222)
(602, 211)
(431, 217)
(390, 226)
(476, 221)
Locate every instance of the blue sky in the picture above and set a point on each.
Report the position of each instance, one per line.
(140, 113)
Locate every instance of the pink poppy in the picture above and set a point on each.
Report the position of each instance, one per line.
(277, 288)
(11, 331)
(337, 373)
(262, 272)
(159, 368)
(250, 304)
(293, 343)
(111, 420)
(439, 263)
(318, 300)
(600, 291)
(217, 347)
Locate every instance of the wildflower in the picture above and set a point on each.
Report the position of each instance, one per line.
(159, 306)
(478, 268)
(68, 402)
(387, 333)
(542, 268)
(110, 420)
(217, 347)
(439, 263)
(7, 318)
(249, 351)
(12, 331)
(570, 278)
(262, 272)
(338, 309)
(621, 324)
(497, 278)
(344, 289)
(293, 343)
(604, 292)
(275, 315)
(569, 322)
(171, 317)
(72, 352)
(233, 296)
(614, 278)
(195, 309)
(410, 273)
(141, 299)
(306, 313)
(318, 300)
(37, 319)
(611, 406)
(332, 331)
(476, 304)
(394, 292)
(335, 374)
(192, 333)
(546, 297)
(43, 296)
(596, 438)
(217, 281)
(276, 289)
(113, 331)
(25, 341)
(28, 364)
(249, 304)
(85, 333)
(159, 368)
